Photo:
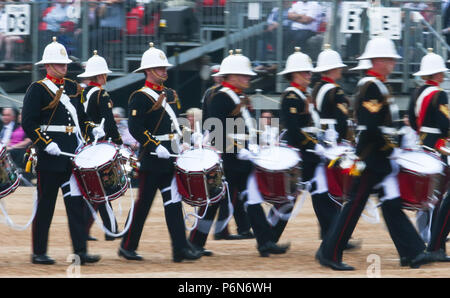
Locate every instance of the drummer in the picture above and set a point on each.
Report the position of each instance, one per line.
(374, 167)
(221, 231)
(302, 122)
(429, 116)
(230, 103)
(329, 98)
(54, 119)
(153, 110)
(98, 105)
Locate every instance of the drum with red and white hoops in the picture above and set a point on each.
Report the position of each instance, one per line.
(278, 172)
(9, 176)
(99, 172)
(420, 175)
(338, 174)
(198, 174)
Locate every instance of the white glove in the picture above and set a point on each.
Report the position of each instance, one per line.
(244, 154)
(53, 149)
(319, 150)
(98, 132)
(395, 153)
(197, 138)
(162, 152)
(331, 135)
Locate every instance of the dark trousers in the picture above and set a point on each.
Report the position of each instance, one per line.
(48, 184)
(299, 38)
(402, 232)
(441, 226)
(237, 182)
(326, 210)
(149, 183)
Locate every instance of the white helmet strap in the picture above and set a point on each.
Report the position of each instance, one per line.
(56, 72)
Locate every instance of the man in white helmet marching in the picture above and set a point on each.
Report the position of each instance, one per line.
(429, 116)
(54, 118)
(98, 105)
(231, 105)
(302, 123)
(329, 98)
(153, 111)
(375, 168)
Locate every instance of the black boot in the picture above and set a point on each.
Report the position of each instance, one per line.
(185, 254)
(272, 248)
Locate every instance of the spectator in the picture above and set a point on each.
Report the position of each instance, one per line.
(306, 17)
(194, 115)
(122, 126)
(9, 119)
(18, 142)
(111, 20)
(60, 20)
(270, 33)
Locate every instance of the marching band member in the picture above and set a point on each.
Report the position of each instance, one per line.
(98, 105)
(302, 123)
(54, 118)
(329, 98)
(375, 151)
(241, 218)
(429, 116)
(230, 103)
(153, 110)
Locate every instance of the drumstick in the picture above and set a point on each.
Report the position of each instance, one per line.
(67, 154)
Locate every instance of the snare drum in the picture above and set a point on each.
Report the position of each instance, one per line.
(277, 172)
(9, 176)
(419, 176)
(338, 175)
(99, 172)
(129, 161)
(198, 174)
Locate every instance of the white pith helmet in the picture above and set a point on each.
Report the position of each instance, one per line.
(430, 64)
(54, 53)
(296, 62)
(236, 64)
(96, 65)
(362, 65)
(328, 59)
(215, 70)
(152, 58)
(380, 47)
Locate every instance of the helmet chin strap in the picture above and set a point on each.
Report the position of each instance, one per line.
(57, 74)
(301, 79)
(161, 78)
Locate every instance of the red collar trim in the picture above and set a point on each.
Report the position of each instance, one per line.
(432, 83)
(328, 79)
(376, 74)
(55, 80)
(154, 86)
(228, 85)
(91, 83)
(301, 88)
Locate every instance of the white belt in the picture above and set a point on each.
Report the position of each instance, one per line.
(430, 130)
(384, 129)
(166, 137)
(328, 121)
(310, 129)
(59, 128)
